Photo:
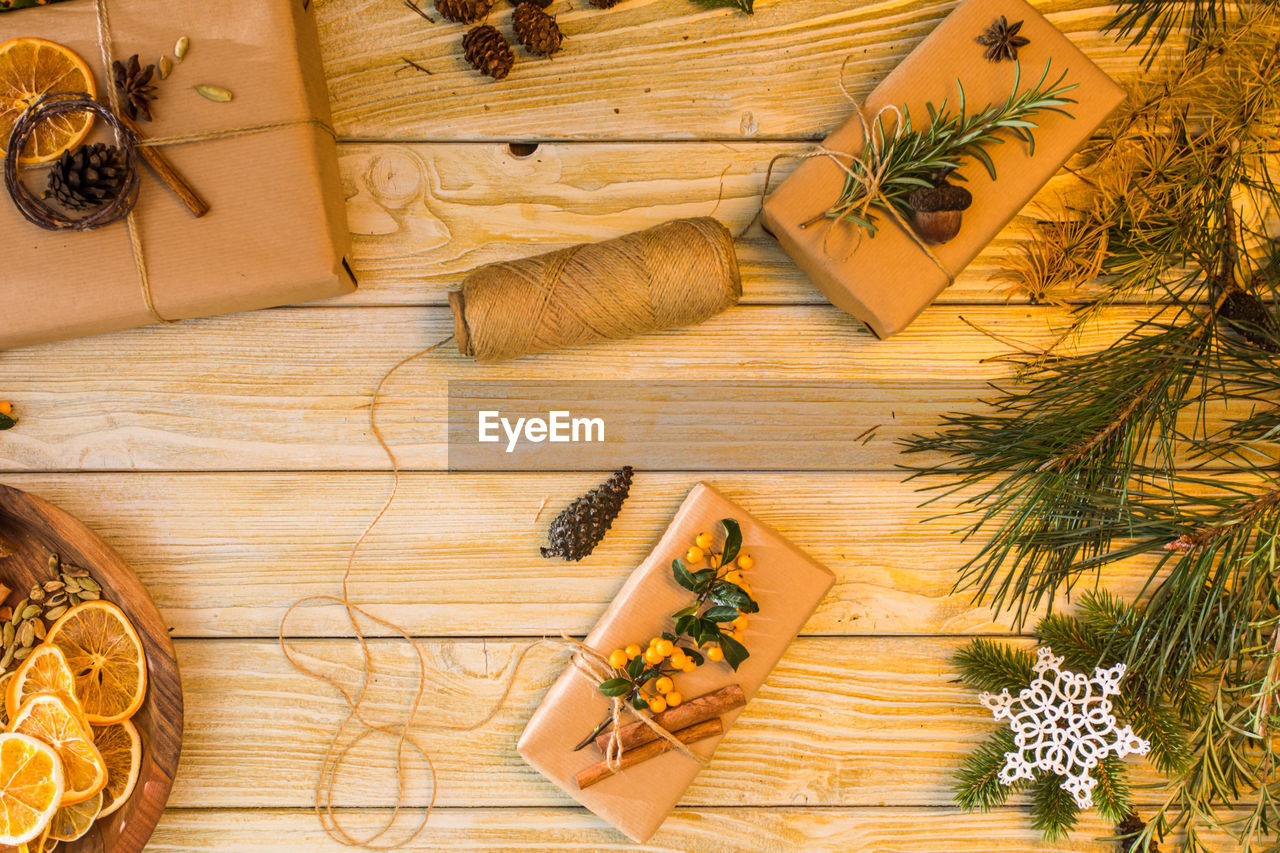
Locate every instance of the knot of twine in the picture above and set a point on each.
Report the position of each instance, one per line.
(595, 667)
(867, 168)
(41, 111)
(674, 274)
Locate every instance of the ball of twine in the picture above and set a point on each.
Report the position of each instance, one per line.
(31, 205)
(675, 274)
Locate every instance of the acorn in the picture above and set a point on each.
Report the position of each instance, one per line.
(936, 211)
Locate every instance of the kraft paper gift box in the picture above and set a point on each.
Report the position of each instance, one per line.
(276, 230)
(887, 280)
(787, 584)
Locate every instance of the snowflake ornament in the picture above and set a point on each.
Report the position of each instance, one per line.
(1063, 723)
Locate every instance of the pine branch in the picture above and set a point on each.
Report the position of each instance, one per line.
(1111, 796)
(1053, 810)
(990, 666)
(977, 785)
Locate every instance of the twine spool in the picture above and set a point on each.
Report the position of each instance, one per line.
(674, 274)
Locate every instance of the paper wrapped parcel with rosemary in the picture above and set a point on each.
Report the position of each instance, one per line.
(786, 583)
(887, 279)
(276, 230)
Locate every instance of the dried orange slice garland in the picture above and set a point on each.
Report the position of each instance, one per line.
(70, 755)
(31, 68)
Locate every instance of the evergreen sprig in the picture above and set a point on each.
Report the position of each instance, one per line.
(907, 158)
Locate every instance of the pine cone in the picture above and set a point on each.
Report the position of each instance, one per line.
(133, 82)
(1249, 318)
(604, 4)
(488, 51)
(582, 525)
(1128, 829)
(536, 29)
(88, 176)
(541, 4)
(464, 11)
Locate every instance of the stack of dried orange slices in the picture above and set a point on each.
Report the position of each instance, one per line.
(69, 754)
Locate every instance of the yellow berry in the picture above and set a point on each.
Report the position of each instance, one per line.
(617, 658)
(678, 658)
(664, 647)
(714, 653)
(739, 624)
(655, 641)
(688, 666)
(694, 554)
(632, 650)
(703, 541)
(652, 656)
(745, 562)
(732, 635)
(657, 705)
(6, 408)
(673, 699)
(663, 685)
(734, 577)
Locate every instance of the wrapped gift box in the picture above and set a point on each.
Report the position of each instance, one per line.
(887, 280)
(276, 231)
(787, 584)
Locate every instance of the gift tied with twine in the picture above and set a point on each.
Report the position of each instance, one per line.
(127, 136)
(674, 274)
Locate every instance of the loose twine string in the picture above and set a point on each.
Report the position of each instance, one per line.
(588, 662)
(106, 49)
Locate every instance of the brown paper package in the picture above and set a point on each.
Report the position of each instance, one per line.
(887, 280)
(787, 584)
(276, 232)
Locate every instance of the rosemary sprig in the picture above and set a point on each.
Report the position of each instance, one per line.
(908, 158)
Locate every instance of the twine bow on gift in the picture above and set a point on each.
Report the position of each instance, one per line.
(129, 141)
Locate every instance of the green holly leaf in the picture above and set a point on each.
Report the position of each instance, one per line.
(732, 541)
(734, 652)
(685, 623)
(7, 422)
(682, 576)
(707, 631)
(635, 666)
(685, 611)
(703, 578)
(735, 596)
(747, 6)
(695, 656)
(721, 613)
(615, 686)
(639, 704)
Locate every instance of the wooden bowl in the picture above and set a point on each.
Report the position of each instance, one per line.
(38, 529)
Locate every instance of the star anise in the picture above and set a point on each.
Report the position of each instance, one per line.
(1002, 41)
(133, 82)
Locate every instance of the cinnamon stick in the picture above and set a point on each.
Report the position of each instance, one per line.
(682, 716)
(167, 174)
(589, 776)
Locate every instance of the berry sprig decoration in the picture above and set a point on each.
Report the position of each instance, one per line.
(7, 420)
(644, 678)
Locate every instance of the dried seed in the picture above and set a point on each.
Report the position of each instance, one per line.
(6, 659)
(27, 634)
(56, 599)
(72, 586)
(165, 66)
(90, 595)
(21, 654)
(90, 583)
(214, 93)
(41, 630)
(180, 49)
(54, 562)
(31, 611)
(75, 572)
(17, 612)
(7, 635)
(53, 586)
(54, 612)
(37, 594)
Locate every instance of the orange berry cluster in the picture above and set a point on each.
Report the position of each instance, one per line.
(660, 653)
(695, 555)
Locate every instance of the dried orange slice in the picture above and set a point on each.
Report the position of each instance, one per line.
(121, 750)
(29, 69)
(32, 787)
(72, 822)
(44, 671)
(106, 659)
(49, 720)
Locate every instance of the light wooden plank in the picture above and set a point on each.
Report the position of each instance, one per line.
(646, 69)
(423, 215)
(841, 721)
(225, 554)
(287, 389)
(705, 829)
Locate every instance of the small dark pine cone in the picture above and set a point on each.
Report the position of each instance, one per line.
(1245, 314)
(541, 4)
(87, 177)
(582, 525)
(1128, 830)
(488, 51)
(464, 11)
(133, 82)
(604, 4)
(536, 30)
(938, 210)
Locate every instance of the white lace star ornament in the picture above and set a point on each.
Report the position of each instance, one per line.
(1062, 723)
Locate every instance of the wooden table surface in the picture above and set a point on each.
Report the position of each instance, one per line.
(229, 460)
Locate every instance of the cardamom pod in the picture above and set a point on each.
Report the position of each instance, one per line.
(214, 93)
(6, 659)
(22, 653)
(54, 562)
(17, 611)
(91, 584)
(75, 572)
(180, 49)
(7, 635)
(72, 586)
(53, 586)
(41, 630)
(54, 612)
(56, 599)
(165, 66)
(32, 610)
(27, 634)
(37, 593)
(90, 595)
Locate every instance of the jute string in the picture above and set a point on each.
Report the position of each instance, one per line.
(588, 662)
(106, 49)
(675, 274)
